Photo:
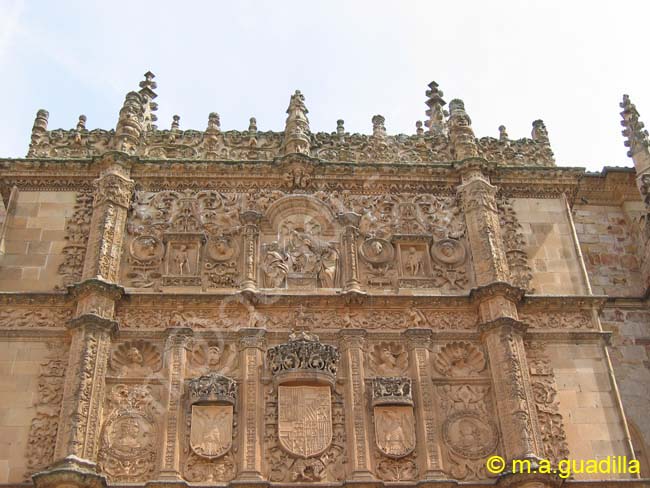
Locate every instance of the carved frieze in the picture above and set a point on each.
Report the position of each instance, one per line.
(558, 320)
(34, 317)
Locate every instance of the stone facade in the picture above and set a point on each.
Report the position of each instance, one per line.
(277, 308)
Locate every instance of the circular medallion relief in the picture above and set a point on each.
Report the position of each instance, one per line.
(377, 251)
(448, 251)
(470, 435)
(147, 248)
(222, 249)
(127, 436)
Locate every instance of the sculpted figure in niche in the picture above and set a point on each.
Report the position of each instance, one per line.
(307, 254)
(182, 261)
(413, 263)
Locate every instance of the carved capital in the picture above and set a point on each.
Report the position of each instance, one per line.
(114, 162)
(418, 338)
(71, 472)
(497, 288)
(113, 188)
(504, 325)
(178, 337)
(252, 338)
(352, 339)
(91, 321)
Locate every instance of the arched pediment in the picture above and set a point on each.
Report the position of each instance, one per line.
(311, 211)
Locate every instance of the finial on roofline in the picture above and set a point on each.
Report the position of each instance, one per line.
(636, 136)
(296, 129)
(436, 123)
(252, 125)
(378, 127)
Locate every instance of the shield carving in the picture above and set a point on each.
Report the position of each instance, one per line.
(395, 430)
(304, 419)
(211, 430)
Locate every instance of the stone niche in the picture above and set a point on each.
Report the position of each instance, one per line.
(300, 245)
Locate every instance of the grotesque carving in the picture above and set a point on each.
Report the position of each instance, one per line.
(77, 228)
(135, 358)
(459, 359)
(388, 359)
(514, 243)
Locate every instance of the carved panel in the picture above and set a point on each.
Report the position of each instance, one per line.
(328, 466)
(388, 359)
(129, 437)
(183, 238)
(137, 358)
(43, 430)
(514, 243)
(459, 359)
(77, 228)
(551, 423)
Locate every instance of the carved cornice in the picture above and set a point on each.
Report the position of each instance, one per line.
(96, 286)
(503, 323)
(94, 321)
(71, 472)
(502, 289)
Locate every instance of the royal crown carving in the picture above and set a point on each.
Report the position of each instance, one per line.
(392, 391)
(212, 388)
(304, 356)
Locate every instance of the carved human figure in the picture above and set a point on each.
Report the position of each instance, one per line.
(182, 261)
(275, 269)
(128, 435)
(213, 356)
(469, 434)
(413, 263)
(376, 248)
(135, 365)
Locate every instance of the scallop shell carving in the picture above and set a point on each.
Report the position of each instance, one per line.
(136, 358)
(459, 359)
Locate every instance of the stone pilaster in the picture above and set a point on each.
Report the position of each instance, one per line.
(428, 444)
(176, 357)
(350, 256)
(504, 341)
(251, 221)
(113, 193)
(351, 344)
(483, 227)
(252, 345)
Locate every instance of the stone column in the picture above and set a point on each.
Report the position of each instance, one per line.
(504, 341)
(428, 438)
(352, 282)
(251, 249)
(252, 345)
(113, 193)
(356, 408)
(176, 357)
(483, 227)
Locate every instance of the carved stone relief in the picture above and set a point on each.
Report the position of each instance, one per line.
(547, 404)
(459, 359)
(137, 358)
(183, 238)
(211, 429)
(514, 244)
(388, 359)
(129, 436)
(212, 356)
(77, 228)
(468, 432)
(43, 430)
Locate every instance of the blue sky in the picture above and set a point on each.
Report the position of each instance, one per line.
(512, 62)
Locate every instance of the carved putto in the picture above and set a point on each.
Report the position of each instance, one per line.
(304, 356)
(459, 359)
(135, 358)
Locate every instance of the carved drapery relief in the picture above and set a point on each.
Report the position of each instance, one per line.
(137, 358)
(551, 423)
(77, 228)
(183, 238)
(42, 432)
(129, 439)
(467, 431)
(514, 243)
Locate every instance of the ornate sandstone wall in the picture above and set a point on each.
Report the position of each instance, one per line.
(297, 307)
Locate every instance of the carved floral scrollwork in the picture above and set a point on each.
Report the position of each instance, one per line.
(514, 243)
(43, 430)
(77, 228)
(547, 404)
